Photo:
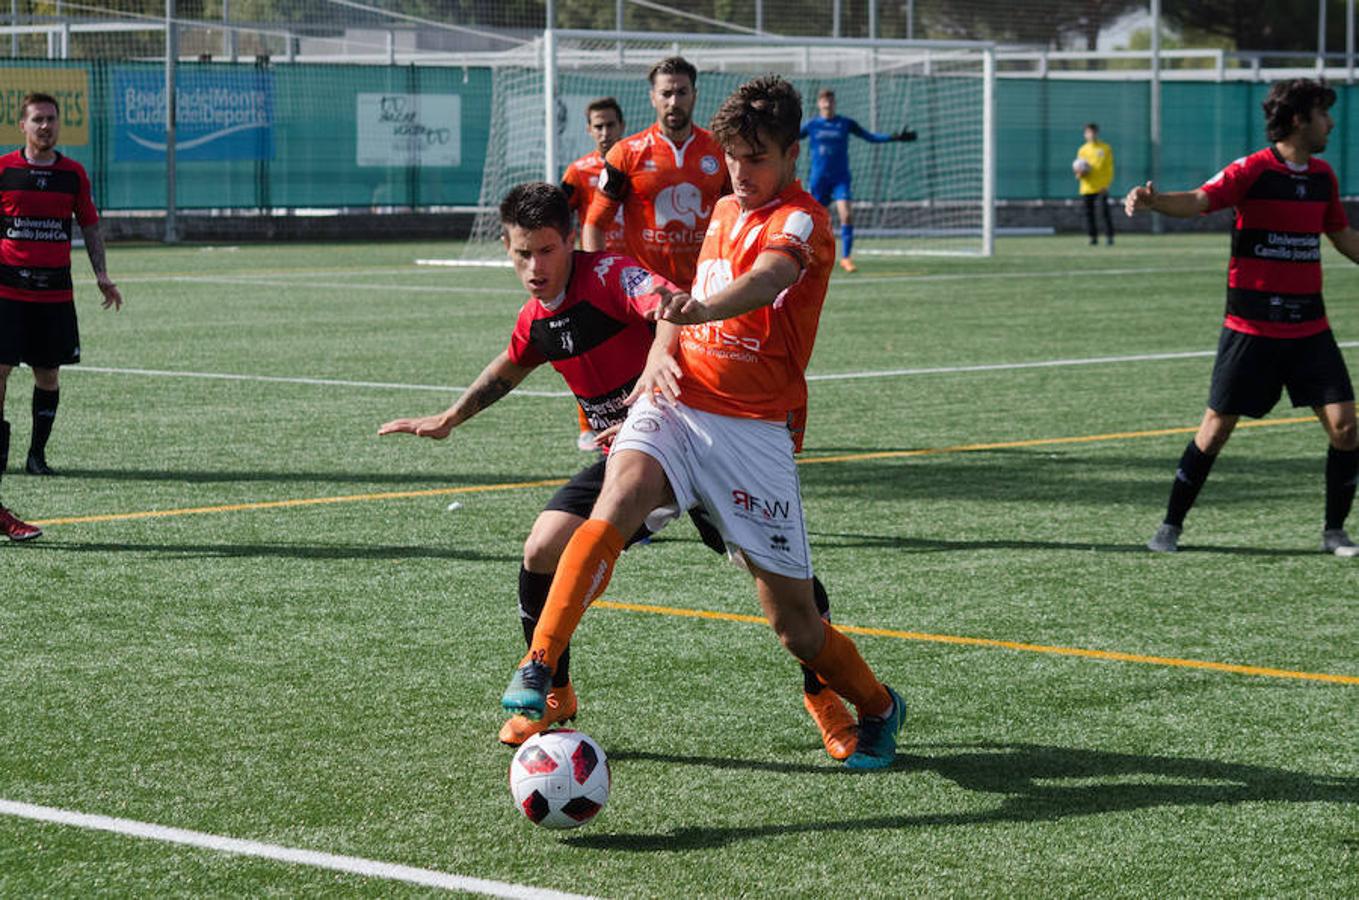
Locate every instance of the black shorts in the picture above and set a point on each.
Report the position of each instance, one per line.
(1251, 372)
(44, 335)
(578, 497)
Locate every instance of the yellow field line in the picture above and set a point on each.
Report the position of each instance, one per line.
(555, 482)
(1008, 645)
(305, 501)
(1041, 442)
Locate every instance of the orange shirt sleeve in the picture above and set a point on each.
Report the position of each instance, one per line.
(604, 207)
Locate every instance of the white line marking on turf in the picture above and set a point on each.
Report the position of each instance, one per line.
(1037, 364)
(284, 379)
(829, 376)
(369, 868)
(386, 287)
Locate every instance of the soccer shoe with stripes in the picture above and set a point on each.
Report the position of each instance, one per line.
(527, 693)
(878, 737)
(1337, 541)
(848, 265)
(839, 733)
(15, 528)
(1166, 539)
(561, 708)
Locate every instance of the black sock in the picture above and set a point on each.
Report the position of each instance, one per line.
(533, 589)
(1341, 468)
(4, 446)
(1189, 478)
(44, 414)
(810, 682)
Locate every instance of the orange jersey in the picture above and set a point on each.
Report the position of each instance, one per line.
(581, 181)
(667, 194)
(754, 366)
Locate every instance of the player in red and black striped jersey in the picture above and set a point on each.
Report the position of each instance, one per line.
(1275, 334)
(42, 193)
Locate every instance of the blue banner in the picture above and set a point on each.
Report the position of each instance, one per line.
(220, 115)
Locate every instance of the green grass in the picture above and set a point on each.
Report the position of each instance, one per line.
(327, 676)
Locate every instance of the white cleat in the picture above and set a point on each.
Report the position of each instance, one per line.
(1166, 539)
(1336, 541)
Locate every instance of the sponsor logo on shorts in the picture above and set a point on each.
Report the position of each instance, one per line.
(761, 506)
(778, 542)
(645, 424)
(708, 164)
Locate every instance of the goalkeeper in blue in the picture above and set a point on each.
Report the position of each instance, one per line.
(829, 150)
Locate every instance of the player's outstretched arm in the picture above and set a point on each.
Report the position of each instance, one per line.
(1346, 240)
(495, 381)
(1180, 204)
(94, 246)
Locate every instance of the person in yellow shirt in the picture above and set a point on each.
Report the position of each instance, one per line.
(1094, 170)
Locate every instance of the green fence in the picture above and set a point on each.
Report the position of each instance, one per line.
(301, 135)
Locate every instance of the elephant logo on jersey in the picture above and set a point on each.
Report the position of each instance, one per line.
(712, 276)
(680, 203)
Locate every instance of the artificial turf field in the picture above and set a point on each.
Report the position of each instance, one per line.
(304, 647)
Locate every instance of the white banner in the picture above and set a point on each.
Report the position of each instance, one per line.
(409, 130)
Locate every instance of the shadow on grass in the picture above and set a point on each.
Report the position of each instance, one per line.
(831, 539)
(1066, 478)
(280, 550)
(411, 480)
(1033, 783)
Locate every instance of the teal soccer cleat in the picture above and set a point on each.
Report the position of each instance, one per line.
(527, 694)
(878, 737)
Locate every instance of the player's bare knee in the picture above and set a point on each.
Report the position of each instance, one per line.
(547, 539)
(45, 379)
(1345, 435)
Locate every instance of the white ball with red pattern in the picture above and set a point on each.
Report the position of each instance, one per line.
(560, 779)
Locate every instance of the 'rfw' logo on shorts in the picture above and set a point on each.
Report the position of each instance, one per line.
(770, 509)
(681, 202)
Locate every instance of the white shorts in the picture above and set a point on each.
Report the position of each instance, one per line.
(740, 470)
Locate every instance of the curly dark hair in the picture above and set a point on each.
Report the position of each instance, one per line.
(766, 104)
(536, 204)
(1295, 97)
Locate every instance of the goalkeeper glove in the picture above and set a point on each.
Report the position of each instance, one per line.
(904, 134)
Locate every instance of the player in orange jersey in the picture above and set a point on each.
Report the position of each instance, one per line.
(580, 182)
(666, 179)
(709, 425)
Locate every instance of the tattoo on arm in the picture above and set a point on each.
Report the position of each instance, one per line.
(483, 395)
(94, 246)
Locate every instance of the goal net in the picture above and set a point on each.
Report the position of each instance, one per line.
(933, 195)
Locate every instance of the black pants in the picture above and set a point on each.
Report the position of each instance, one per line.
(1100, 200)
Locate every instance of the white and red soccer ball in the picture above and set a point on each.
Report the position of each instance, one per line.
(560, 779)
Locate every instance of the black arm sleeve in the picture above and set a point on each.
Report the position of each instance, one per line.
(614, 184)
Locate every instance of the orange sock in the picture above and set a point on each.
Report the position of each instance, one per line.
(840, 666)
(582, 574)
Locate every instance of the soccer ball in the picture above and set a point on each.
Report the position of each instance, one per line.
(1080, 166)
(560, 779)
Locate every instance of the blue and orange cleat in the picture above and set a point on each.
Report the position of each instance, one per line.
(878, 737)
(527, 693)
(561, 709)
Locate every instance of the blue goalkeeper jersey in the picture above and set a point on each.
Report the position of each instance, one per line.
(829, 146)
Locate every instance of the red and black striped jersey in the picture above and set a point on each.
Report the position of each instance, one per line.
(597, 335)
(1274, 279)
(38, 203)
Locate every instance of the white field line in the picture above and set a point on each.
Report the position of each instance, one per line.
(1037, 364)
(352, 864)
(387, 287)
(829, 376)
(283, 379)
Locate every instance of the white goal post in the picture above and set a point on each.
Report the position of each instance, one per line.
(934, 195)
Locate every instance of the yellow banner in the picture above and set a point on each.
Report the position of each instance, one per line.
(71, 88)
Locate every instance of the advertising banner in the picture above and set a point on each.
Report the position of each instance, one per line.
(220, 116)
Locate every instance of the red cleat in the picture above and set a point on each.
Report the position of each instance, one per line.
(15, 528)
